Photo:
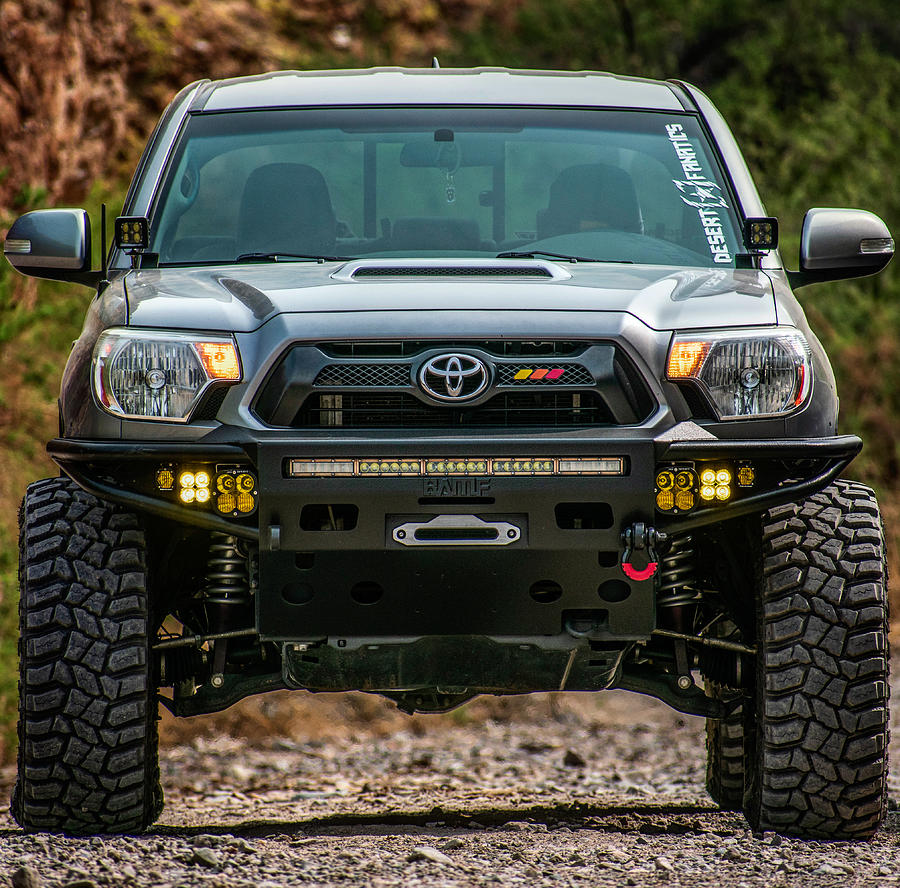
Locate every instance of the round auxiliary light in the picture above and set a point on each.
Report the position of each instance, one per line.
(684, 481)
(707, 492)
(226, 503)
(245, 502)
(245, 482)
(723, 492)
(225, 483)
(684, 500)
(187, 494)
(665, 480)
(723, 476)
(201, 479)
(202, 494)
(186, 479)
(707, 476)
(665, 500)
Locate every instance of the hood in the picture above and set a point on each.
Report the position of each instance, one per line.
(241, 298)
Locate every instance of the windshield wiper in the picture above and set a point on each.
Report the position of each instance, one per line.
(273, 257)
(530, 254)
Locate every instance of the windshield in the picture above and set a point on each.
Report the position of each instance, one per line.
(613, 186)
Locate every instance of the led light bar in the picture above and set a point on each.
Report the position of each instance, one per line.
(464, 465)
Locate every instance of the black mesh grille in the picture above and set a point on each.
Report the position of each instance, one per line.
(517, 271)
(547, 374)
(369, 375)
(398, 409)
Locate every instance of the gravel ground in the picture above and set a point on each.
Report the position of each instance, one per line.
(548, 790)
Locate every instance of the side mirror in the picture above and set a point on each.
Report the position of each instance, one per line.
(54, 244)
(841, 243)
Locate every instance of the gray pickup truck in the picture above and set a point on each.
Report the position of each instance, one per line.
(437, 383)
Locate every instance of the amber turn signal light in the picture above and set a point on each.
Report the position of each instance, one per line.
(220, 360)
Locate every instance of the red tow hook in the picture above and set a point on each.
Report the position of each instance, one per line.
(641, 538)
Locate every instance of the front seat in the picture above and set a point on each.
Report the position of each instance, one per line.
(286, 208)
(590, 197)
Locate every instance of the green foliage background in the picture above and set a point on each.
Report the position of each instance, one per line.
(808, 86)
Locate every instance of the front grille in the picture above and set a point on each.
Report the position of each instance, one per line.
(516, 271)
(373, 385)
(402, 410)
(363, 375)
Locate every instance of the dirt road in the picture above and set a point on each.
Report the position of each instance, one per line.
(544, 791)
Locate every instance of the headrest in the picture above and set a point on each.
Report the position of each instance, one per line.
(588, 197)
(286, 206)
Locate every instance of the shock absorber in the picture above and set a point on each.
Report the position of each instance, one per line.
(226, 595)
(677, 596)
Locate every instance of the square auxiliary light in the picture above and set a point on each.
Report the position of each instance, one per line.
(761, 233)
(132, 232)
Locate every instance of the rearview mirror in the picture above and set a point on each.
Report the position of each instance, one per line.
(54, 244)
(841, 243)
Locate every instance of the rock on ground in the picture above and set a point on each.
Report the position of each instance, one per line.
(471, 799)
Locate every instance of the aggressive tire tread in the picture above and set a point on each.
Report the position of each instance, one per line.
(87, 715)
(725, 754)
(819, 760)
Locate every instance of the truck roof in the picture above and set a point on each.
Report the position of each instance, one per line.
(436, 86)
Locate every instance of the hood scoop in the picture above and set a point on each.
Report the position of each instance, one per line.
(441, 268)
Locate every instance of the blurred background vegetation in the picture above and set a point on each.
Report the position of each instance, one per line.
(808, 86)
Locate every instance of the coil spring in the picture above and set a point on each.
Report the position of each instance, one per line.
(226, 573)
(677, 571)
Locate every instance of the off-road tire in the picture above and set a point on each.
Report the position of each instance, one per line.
(725, 753)
(87, 705)
(816, 763)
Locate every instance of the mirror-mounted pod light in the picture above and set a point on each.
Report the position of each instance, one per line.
(132, 232)
(761, 233)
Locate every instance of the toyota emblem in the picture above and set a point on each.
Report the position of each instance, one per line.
(454, 377)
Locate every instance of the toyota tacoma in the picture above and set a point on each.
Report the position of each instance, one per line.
(437, 383)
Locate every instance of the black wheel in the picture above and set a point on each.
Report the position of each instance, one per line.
(87, 705)
(817, 761)
(725, 753)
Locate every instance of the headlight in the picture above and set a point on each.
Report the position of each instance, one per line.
(160, 374)
(745, 372)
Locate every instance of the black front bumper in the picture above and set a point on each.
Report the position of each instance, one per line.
(560, 575)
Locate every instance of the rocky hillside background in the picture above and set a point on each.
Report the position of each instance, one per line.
(809, 86)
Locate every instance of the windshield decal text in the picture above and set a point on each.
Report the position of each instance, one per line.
(697, 191)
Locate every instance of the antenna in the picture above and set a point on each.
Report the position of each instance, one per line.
(104, 269)
(434, 62)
